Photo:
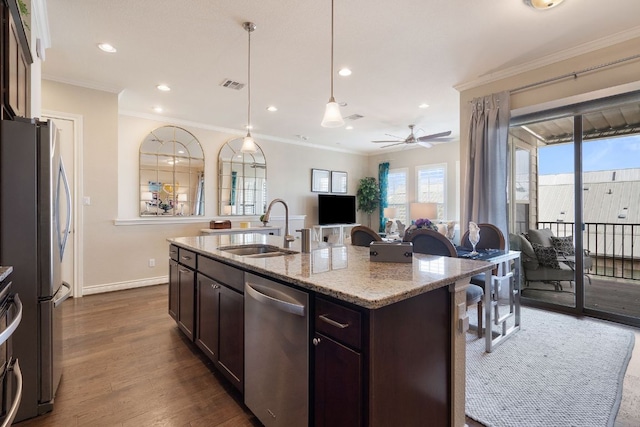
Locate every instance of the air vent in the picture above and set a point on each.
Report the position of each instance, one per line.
(232, 84)
(354, 117)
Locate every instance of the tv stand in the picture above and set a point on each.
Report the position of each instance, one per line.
(338, 229)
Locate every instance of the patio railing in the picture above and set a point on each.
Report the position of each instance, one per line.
(615, 248)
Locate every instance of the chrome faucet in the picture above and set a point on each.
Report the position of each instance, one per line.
(287, 237)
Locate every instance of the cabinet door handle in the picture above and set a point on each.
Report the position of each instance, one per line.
(215, 286)
(184, 270)
(186, 257)
(332, 322)
(316, 341)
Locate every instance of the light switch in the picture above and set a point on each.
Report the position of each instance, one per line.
(87, 201)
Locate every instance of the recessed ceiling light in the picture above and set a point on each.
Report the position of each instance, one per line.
(342, 104)
(542, 4)
(157, 109)
(272, 108)
(163, 88)
(180, 151)
(349, 127)
(106, 47)
(423, 106)
(248, 127)
(344, 72)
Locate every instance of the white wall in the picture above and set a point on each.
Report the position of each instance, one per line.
(116, 256)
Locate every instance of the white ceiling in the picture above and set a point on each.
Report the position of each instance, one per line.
(402, 53)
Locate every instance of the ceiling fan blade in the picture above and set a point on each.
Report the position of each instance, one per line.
(391, 145)
(433, 136)
(392, 140)
(425, 144)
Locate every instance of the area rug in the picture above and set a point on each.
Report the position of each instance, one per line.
(558, 370)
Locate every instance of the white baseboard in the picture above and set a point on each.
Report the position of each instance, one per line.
(110, 287)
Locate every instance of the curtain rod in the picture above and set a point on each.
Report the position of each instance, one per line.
(574, 74)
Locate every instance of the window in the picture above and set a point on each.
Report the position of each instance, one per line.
(431, 186)
(397, 193)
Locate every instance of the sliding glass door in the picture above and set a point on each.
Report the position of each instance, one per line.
(611, 199)
(584, 196)
(545, 210)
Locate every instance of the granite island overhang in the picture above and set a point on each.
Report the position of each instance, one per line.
(395, 297)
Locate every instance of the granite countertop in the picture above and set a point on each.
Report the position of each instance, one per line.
(4, 272)
(239, 229)
(341, 271)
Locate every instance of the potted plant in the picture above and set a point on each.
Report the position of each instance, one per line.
(368, 196)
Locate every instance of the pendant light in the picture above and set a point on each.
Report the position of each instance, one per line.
(542, 4)
(332, 117)
(248, 144)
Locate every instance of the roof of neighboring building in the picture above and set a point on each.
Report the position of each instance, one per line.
(610, 197)
(606, 195)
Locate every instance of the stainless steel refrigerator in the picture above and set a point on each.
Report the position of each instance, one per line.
(35, 218)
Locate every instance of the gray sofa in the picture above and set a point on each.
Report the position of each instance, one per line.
(545, 263)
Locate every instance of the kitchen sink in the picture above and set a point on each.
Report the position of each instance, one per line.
(256, 250)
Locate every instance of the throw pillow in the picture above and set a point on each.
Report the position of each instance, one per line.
(541, 237)
(547, 256)
(563, 245)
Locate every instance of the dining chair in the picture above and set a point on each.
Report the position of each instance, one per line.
(431, 242)
(363, 236)
(490, 238)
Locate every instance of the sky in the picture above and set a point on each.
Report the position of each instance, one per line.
(606, 154)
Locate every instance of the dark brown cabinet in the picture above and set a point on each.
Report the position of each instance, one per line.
(220, 317)
(220, 326)
(182, 289)
(186, 304)
(174, 289)
(16, 61)
(338, 384)
(338, 365)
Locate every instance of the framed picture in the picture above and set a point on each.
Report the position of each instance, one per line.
(338, 182)
(319, 180)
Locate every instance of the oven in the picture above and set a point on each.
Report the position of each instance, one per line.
(10, 375)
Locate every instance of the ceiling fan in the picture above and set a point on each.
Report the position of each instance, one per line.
(412, 139)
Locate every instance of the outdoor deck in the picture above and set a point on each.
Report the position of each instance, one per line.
(612, 295)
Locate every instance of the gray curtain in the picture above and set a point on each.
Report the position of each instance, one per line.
(486, 186)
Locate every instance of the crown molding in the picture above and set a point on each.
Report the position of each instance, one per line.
(84, 84)
(239, 133)
(582, 49)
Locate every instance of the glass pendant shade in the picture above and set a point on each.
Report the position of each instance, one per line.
(332, 117)
(248, 144)
(543, 4)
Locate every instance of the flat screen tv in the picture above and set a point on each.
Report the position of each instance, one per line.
(334, 209)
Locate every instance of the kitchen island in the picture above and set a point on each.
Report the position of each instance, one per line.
(385, 342)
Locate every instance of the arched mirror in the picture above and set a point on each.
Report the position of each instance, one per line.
(171, 173)
(242, 180)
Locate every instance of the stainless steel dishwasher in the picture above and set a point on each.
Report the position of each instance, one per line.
(276, 343)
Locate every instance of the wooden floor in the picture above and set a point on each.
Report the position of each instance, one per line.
(126, 364)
